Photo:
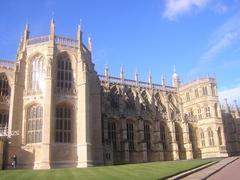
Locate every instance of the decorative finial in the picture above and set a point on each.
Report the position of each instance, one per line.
(106, 72)
(89, 44)
(136, 76)
(163, 81)
(121, 73)
(150, 78)
(174, 69)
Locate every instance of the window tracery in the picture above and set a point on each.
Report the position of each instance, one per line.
(64, 118)
(34, 124)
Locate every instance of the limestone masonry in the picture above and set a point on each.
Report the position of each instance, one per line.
(69, 116)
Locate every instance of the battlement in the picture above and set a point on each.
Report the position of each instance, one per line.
(133, 83)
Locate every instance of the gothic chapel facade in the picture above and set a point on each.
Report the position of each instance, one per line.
(69, 116)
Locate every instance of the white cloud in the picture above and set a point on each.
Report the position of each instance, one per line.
(174, 8)
(231, 94)
(225, 36)
(220, 8)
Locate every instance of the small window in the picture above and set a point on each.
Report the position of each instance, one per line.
(199, 113)
(208, 112)
(205, 92)
(202, 139)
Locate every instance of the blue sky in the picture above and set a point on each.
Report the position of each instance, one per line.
(200, 37)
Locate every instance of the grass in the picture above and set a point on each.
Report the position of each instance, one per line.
(154, 170)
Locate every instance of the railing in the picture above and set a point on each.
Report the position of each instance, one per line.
(129, 82)
(66, 41)
(38, 40)
(7, 64)
(4, 132)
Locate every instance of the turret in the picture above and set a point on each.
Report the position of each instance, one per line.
(175, 79)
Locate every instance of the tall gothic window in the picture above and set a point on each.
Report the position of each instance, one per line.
(4, 86)
(210, 137)
(3, 119)
(147, 135)
(64, 72)
(63, 124)
(130, 136)
(34, 124)
(202, 138)
(37, 73)
(112, 135)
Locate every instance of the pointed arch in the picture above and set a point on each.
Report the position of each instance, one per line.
(36, 72)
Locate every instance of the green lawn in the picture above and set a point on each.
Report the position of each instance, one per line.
(154, 170)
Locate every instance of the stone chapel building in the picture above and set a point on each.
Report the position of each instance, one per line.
(69, 116)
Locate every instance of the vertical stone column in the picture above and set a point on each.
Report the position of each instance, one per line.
(157, 141)
(173, 143)
(48, 118)
(186, 141)
(83, 120)
(126, 154)
(142, 143)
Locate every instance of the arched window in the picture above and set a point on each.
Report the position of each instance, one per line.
(3, 119)
(147, 135)
(210, 137)
(37, 73)
(34, 124)
(4, 86)
(112, 134)
(202, 138)
(130, 136)
(64, 72)
(63, 124)
(219, 136)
